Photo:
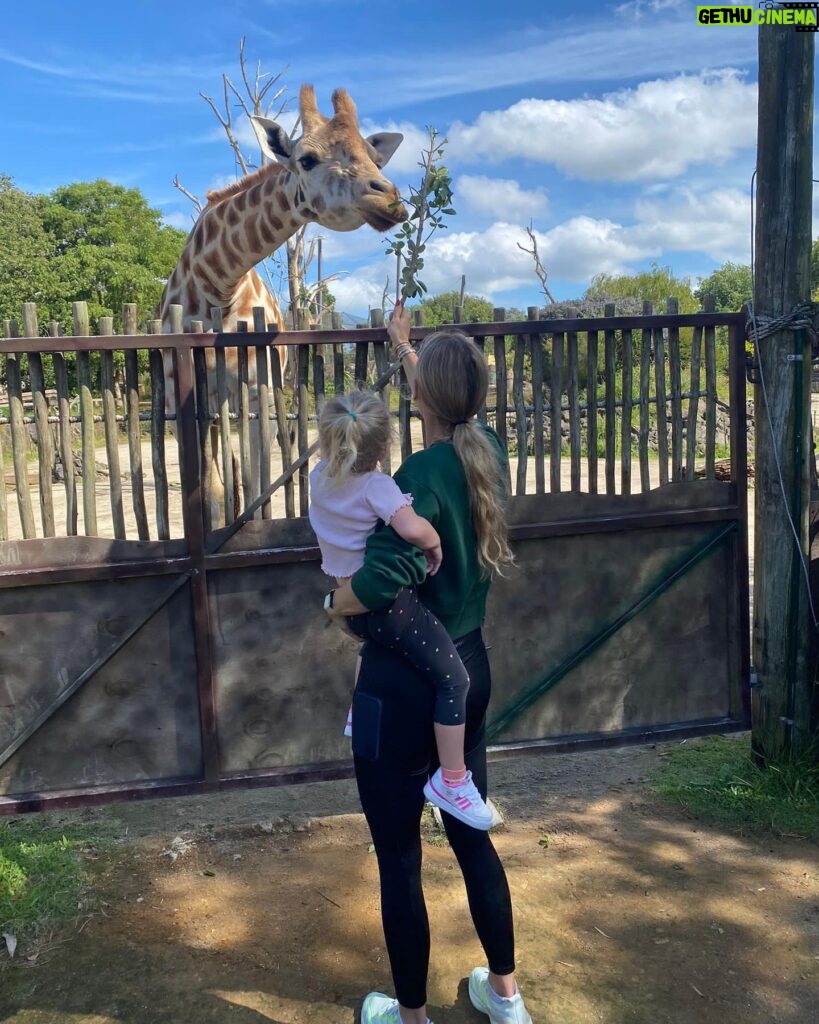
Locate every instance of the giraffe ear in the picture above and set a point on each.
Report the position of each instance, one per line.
(384, 144)
(273, 139)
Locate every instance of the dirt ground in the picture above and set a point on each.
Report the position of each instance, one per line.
(628, 911)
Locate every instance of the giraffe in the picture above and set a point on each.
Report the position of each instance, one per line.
(330, 176)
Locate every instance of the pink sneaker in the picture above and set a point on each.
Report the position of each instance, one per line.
(463, 801)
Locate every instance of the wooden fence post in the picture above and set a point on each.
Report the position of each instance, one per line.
(129, 327)
(781, 704)
(45, 443)
(19, 434)
(109, 418)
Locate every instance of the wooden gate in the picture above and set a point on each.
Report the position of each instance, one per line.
(144, 653)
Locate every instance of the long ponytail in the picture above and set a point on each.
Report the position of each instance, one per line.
(452, 381)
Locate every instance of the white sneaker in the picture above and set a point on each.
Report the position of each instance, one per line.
(499, 1009)
(380, 1009)
(463, 802)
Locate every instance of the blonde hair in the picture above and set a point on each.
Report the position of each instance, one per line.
(354, 433)
(452, 381)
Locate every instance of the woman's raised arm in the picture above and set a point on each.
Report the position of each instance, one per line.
(398, 330)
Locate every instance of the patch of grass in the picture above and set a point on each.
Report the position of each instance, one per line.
(717, 780)
(43, 875)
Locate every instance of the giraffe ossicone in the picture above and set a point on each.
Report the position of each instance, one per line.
(330, 176)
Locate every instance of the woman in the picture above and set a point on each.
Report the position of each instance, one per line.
(457, 484)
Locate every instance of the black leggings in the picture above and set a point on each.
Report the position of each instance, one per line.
(394, 750)
(412, 630)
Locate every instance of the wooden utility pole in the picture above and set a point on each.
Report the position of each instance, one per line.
(782, 622)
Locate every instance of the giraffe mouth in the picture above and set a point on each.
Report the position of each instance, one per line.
(384, 216)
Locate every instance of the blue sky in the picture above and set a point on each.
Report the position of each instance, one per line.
(623, 131)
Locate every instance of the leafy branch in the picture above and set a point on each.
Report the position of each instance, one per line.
(429, 205)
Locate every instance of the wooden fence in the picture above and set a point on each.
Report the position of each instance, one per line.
(613, 405)
(166, 653)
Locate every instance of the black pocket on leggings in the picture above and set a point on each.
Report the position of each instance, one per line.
(366, 726)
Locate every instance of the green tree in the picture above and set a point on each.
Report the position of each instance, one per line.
(731, 285)
(439, 308)
(110, 247)
(26, 270)
(655, 285)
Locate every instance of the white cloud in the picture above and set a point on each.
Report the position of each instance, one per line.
(716, 223)
(184, 221)
(655, 131)
(499, 197)
(359, 293)
(583, 246)
(493, 263)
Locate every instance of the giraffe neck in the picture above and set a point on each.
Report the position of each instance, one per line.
(232, 235)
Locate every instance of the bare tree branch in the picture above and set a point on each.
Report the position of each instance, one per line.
(197, 202)
(254, 89)
(226, 122)
(540, 270)
(258, 91)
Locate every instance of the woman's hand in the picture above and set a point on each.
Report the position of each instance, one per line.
(398, 329)
(345, 603)
(339, 618)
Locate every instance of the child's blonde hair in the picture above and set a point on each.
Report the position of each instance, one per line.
(452, 381)
(354, 433)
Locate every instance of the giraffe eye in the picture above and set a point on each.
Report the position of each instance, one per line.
(308, 162)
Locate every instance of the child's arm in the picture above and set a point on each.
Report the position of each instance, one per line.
(419, 531)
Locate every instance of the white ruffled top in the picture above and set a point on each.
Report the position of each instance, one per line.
(344, 515)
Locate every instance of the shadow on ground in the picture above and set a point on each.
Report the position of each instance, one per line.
(627, 911)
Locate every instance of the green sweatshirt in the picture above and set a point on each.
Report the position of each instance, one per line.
(457, 593)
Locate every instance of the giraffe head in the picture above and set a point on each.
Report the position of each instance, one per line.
(338, 171)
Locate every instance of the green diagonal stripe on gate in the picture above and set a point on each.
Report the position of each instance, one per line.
(688, 561)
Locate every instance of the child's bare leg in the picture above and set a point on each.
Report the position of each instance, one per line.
(450, 743)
